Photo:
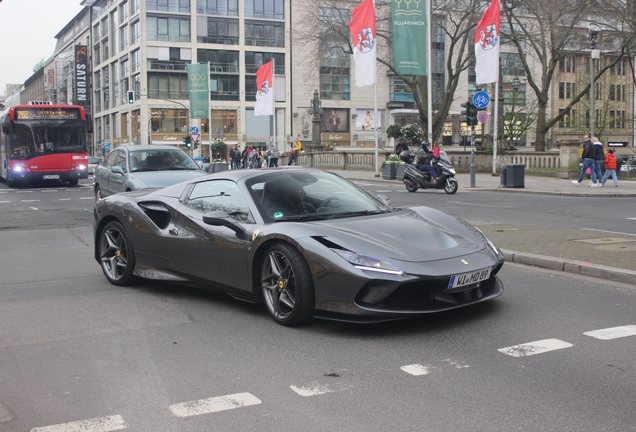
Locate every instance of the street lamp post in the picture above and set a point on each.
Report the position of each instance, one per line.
(595, 53)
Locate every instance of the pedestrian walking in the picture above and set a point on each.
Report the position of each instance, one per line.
(588, 160)
(610, 168)
(400, 147)
(599, 156)
(272, 155)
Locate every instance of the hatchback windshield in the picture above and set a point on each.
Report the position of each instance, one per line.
(298, 195)
(161, 160)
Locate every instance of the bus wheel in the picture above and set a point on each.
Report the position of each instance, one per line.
(73, 182)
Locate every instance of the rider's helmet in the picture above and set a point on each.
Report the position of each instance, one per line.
(407, 156)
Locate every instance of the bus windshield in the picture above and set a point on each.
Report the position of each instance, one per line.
(33, 138)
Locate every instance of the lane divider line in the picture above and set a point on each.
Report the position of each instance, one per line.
(613, 332)
(214, 404)
(533, 348)
(100, 424)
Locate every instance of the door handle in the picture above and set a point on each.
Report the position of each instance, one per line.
(173, 231)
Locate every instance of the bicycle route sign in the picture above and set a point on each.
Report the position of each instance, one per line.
(481, 99)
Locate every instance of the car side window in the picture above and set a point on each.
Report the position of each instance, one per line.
(220, 195)
(121, 160)
(110, 160)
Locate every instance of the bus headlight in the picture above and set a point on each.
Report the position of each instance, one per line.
(81, 167)
(18, 167)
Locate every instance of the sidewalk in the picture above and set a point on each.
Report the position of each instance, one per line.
(601, 254)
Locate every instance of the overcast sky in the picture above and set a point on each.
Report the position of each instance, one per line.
(27, 34)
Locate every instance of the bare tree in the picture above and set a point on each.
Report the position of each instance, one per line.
(544, 32)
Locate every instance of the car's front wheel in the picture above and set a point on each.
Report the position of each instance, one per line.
(286, 285)
(116, 254)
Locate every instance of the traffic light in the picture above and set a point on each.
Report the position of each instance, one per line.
(470, 114)
(187, 141)
(131, 96)
(196, 144)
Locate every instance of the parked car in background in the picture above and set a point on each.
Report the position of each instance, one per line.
(92, 164)
(133, 168)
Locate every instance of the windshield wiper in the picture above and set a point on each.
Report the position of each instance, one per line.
(304, 217)
(357, 213)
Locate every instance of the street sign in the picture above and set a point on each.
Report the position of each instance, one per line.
(194, 130)
(195, 136)
(482, 116)
(107, 147)
(481, 99)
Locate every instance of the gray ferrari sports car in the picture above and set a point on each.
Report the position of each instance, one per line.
(305, 242)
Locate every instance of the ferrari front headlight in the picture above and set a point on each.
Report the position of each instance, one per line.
(368, 263)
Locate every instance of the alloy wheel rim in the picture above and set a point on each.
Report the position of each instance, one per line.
(279, 285)
(114, 254)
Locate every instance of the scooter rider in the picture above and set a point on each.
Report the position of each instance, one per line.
(424, 157)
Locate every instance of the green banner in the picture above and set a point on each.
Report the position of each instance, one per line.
(198, 79)
(409, 36)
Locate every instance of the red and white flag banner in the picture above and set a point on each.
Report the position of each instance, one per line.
(487, 41)
(265, 90)
(362, 28)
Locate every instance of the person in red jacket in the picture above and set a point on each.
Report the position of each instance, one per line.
(610, 168)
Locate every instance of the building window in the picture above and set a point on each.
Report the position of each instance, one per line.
(224, 87)
(135, 61)
(169, 120)
(619, 68)
(254, 60)
(568, 120)
(270, 9)
(168, 58)
(617, 92)
(96, 54)
(334, 76)
(134, 7)
(400, 92)
(124, 69)
(135, 32)
(220, 60)
(264, 33)
(168, 29)
(167, 85)
(512, 64)
(123, 12)
(123, 38)
(567, 90)
(218, 30)
(617, 119)
(567, 64)
(217, 7)
(168, 5)
(512, 97)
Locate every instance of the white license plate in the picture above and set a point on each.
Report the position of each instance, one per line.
(463, 279)
(51, 177)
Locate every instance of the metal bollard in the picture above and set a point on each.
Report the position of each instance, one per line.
(502, 177)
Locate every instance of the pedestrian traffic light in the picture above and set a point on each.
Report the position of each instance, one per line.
(470, 114)
(131, 96)
(187, 141)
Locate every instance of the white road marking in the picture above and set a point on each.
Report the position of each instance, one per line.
(611, 232)
(613, 332)
(416, 369)
(456, 364)
(537, 347)
(34, 208)
(27, 191)
(90, 198)
(477, 205)
(5, 202)
(631, 218)
(215, 404)
(384, 190)
(100, 424)
(65, 199)
(30, 201)
(311, 389)
(49, 190)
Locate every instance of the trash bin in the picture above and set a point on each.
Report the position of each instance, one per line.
(515, 174)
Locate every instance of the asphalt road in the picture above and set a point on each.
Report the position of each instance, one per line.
(78, 352)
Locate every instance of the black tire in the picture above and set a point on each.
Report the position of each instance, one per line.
(8, 181)
(286, 285)
(98, 193)
(116, 254)
(410, 187)
(73, 182)
(451, 186)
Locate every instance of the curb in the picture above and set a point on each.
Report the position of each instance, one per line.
(571, 266)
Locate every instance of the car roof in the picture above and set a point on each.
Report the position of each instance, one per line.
(148, 147)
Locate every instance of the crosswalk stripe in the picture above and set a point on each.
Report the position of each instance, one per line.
(533, 348)
(311, 389)
(416, 369)
(612, 332)
(100, 424)
(214, 404)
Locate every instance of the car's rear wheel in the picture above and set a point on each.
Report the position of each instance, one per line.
(98, 193)
(116, 254)
(286, 285)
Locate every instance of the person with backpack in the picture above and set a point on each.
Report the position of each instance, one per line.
(272, 155)
(588, 161)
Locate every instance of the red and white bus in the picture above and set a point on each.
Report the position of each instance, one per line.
(42, 141)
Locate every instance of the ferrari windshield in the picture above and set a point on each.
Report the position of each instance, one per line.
(302, 195)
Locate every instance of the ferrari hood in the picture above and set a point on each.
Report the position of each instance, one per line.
(161, 179)
(416, 235)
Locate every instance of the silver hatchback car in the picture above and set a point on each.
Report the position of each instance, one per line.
(131, 168)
